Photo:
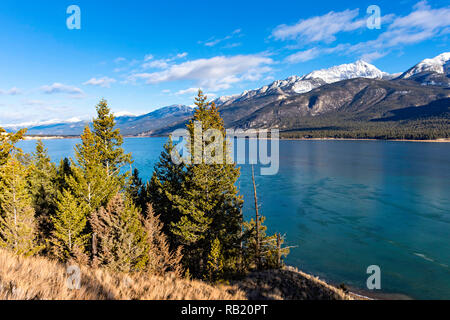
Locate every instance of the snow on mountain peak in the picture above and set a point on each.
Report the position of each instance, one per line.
(438, 64)
(124, 114)
(358, 69)
(295, 84)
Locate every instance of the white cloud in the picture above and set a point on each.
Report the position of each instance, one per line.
(181, 55)
(157, 64)
(214, 41)
(187, 91)
(303, 56)
(369, 57)
(11, 92)
(232, 45)
(214, 73)
(161, 63)
(422, 24)
(320, 28)
(119, 60)
(148, 57)
(104, 82)
(61, 88)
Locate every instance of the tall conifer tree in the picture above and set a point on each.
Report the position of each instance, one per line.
(69, 237)
(43, 189)
(209, 202)
(18, 230)
(166, 183)
(121, 239)
(109, 142)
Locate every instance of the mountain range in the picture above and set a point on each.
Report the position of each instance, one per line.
(337, 98)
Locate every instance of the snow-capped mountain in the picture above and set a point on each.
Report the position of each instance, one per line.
(439, 64)
(31, 124)
(127, 123)
(291, 85)
(308, 82)
(359, 69)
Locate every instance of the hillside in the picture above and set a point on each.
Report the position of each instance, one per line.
(39, 278)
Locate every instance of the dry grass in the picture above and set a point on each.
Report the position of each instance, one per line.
(39, 278)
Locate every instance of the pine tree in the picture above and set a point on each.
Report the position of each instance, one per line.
(7, 144)
(96, 175)
(69, 237)
(63, 171)
(121, 239)
(136, 191)
(215, 262)
(166, 183)
(160, 258)
(89, 181)
(109, 142)
(42, 186)
(270, 250)
(261, 251)
(208, 200)
(18, 230)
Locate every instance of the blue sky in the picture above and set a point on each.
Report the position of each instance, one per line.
(142, 55)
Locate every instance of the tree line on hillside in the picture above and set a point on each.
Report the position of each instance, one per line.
(95, 210)
(327, 127)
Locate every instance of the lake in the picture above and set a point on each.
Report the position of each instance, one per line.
(347, 205)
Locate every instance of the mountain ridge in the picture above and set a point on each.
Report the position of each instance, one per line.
(315, 94)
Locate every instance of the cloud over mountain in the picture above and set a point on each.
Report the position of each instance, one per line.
(214, 73)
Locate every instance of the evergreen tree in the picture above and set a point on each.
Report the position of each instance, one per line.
(109, 141)
(208, 201)
(166, 183)
(69, 237)
(63, 171)
(136, 191)
(160, 258)
(215, 262)
(7, 144)
(270, 249)
(120, 237)
(42, 186)
(89, 181)
(18, 230)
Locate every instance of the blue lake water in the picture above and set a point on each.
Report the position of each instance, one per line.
(347, 205)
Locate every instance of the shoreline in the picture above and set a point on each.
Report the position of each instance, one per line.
(439, 140)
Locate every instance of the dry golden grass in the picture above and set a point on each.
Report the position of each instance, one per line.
(42, 279)
(39, 278)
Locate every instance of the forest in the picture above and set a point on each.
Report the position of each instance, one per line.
(95, 210)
